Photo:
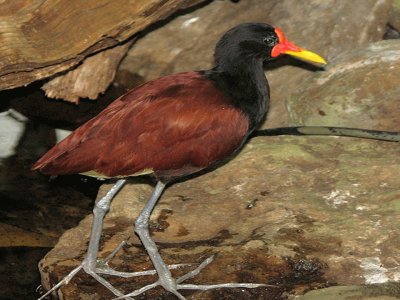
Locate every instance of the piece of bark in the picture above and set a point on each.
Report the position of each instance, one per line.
(41, 38)
(89, 79)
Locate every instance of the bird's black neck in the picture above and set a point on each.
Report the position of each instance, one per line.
(244, 82)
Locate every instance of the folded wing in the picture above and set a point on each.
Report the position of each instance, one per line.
(174, 125)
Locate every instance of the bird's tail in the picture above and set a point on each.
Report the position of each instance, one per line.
(332, 131)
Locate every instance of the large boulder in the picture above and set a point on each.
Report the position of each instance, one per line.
(360, 88)
(394, 15)
(298, 212)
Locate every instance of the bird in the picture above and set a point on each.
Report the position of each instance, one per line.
(169, 128)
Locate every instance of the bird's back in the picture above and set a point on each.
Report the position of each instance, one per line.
(171, 126)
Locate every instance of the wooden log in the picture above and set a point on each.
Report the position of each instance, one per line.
(90, 78)
(41, 38)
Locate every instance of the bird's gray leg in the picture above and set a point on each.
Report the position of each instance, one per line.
(165, 278)
(89, 263)
(100, 266)
(142, 229)
(100, 209)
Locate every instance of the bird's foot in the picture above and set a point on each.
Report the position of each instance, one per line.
(89, 270)
(102, 267)
(177, 284)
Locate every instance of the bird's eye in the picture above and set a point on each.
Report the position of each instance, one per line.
(269, 41)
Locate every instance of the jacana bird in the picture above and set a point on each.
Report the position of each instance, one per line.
(170, 128)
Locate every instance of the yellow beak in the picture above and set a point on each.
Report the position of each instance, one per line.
(307, 56)
(286, 47)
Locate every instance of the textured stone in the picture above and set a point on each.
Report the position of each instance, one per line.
(12, 236)
(371, 292)
(326, 27)
(394, 16)
(318, 205)
(359, 88)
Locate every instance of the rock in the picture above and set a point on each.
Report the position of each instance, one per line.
(372, 292)
(187, 42)
(394, 15)
(12, 236)
(359, 88)
(325, 28)
(297, 212)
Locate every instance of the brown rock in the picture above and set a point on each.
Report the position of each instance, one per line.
(388, 291)
(394, 16)
(326, 27)
(359, 88)
(293, 211)
(12, 236)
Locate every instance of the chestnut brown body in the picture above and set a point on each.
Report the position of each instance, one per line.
(172, 126)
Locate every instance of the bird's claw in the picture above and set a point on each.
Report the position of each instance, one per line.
(102, 267)
(180, 286)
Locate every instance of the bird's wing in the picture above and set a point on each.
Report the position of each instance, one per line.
(176, 122)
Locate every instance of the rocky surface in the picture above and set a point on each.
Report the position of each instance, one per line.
(299, 213)
(360, 88)
(389, 291)
(394, 15)
(323, 201)
(326, 27)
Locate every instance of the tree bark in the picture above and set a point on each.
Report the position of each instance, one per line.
(41, 38)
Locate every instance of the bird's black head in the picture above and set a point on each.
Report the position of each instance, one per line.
(257, 42)
(246, 41)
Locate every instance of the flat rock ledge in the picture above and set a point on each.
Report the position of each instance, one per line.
(299, 213)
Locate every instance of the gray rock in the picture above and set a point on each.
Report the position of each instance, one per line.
(369, 292)
(293, 211)
(394, 15)
(359, 88)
